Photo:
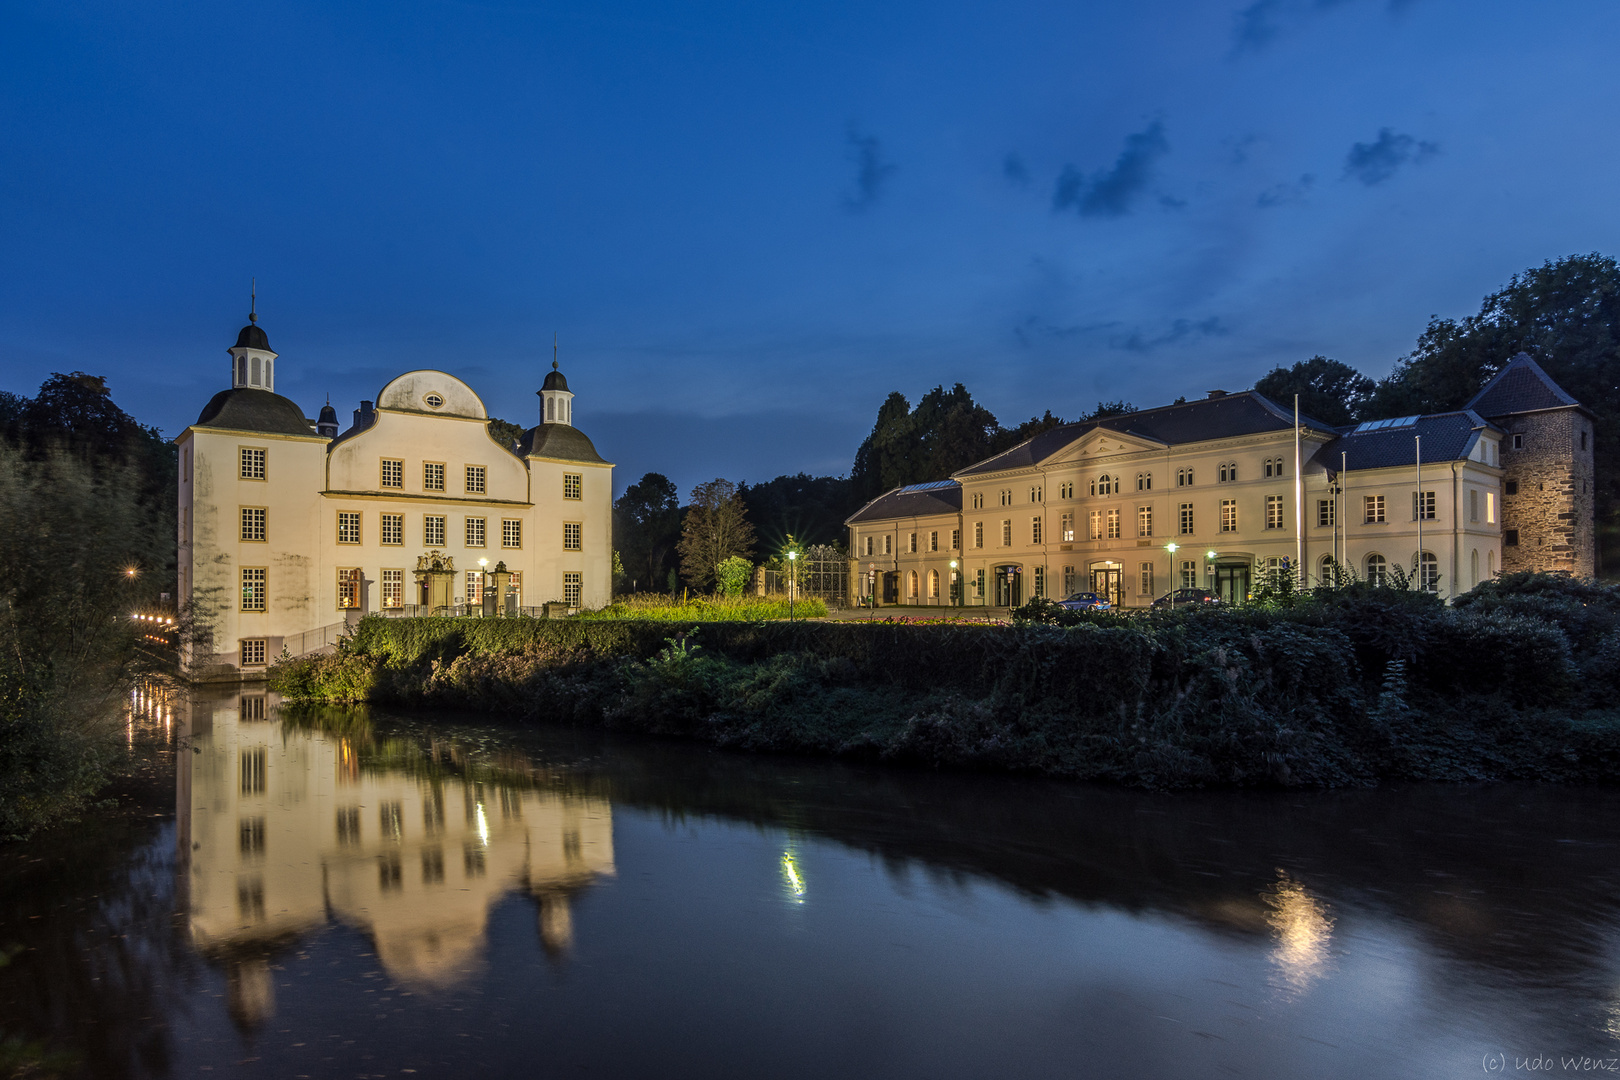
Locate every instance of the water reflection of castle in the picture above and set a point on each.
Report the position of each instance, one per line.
(284, 831)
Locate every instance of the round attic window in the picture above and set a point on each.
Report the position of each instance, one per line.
(434, 401)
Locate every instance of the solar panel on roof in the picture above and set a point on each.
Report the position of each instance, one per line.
(934, 486)
(1368, 426)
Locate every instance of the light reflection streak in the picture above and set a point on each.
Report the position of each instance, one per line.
(1303, 930)
(792, 876)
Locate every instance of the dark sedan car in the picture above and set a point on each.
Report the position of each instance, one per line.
(1085, 601)
(1186, 596)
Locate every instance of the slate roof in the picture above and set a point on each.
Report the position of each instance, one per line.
(1446, 437)
(1243, 413)
(249, 409)
(918, 500)
(1520, 387)
(562, 441)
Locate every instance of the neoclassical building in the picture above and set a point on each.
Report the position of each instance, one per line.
(1211, 493)
(290, 529)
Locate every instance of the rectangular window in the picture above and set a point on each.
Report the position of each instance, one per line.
(956, 539)
(475, 479)
(1274, 512)
(1518, 442)
(911, 544)
(393, 588)
(348, 588)
(933, 541)
(1510, 537)
(1189, 574)
(1186, 519)
(1228, 515)
(1146, 590)
(1510, 487)
(869, 545)
(511, 533)
(1423, 506)
(572, 587)
(1144, 521)
(433, 476)
(253, 588)
(1035, 531)
(253, 523)
(888, 544)
(1324, 513)
(1006, 532)
(393, 473)
(1490, 508)
(433, 530)
(573, 485)
(1473, 504)
(473, 587)
(475, 532)
(572, 532)
(348, 527)
(1040, 581)
(1113, 524)
(252, 463)
(391, 528)
(978, 534)
(1066, 528)
(1094, 525)
(1374, 509)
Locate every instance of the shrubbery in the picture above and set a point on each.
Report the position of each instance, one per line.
(1341, 688)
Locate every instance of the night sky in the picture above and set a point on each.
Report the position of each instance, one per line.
(749, 222)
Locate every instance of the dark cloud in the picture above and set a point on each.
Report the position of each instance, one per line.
(1286, 194)
(1112, 192)
(1260, 23)
(1374, 162)
(871, 171)
(1014, 169)
(1035, 331)
(1179, 330)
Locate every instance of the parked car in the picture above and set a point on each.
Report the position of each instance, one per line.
(1085, 601)
(1186, 596)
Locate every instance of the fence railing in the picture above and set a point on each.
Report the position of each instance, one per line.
(826, 580)
(310, 640)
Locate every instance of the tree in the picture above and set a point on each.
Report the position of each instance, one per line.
(946, 432)
(647, 527)
(1329, 391)
(504, 432)
(1565, 314)
(716, 528)
(1106, 409)
(810, 507)
(732, 575)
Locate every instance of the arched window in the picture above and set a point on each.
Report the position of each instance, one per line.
(1429, 573)
(1377, 570)
(1327, 576)
(1490, 564)
(1473, 568)
(551, 409)
(241, 371)
(911, 585)
(933, 584)
(269, 383)
(1105, 485)
(253, 379)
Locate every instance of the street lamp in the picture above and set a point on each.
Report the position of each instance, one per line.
(956, 596)
(793, 562)
(1209, 569)
(483, 583)
(1171, 548)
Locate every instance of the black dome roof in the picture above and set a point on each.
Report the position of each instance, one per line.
(248, 409)
(253, 337)
(328, 415)
(554, 380)
(558, 441)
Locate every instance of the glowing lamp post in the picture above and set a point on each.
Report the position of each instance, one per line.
(1171, 548)
(793, 580)
(956, 593)
(483, 584)
(1209, 570)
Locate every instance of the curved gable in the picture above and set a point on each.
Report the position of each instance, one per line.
(412, 391)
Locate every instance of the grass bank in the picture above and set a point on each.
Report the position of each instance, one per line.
(658, 607)
(1351, 688)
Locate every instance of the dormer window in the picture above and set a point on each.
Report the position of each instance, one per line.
(433, 401)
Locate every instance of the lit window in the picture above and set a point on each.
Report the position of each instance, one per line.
(1113, 524)
(511, 533)
(1066, 528)
(1490, 508)
(1189, 574)
(1186, 519)
(253, 588)
(252, 463)
(1147, 579)
(1035, 531)
(473, 584)
(1144, 521)
(253, 650)
(348, 527)
(252, 523)
(573, 485)
(433, 530)
(393, 588)
(1229, 515)
(393, 473)
(1095, 532)
(475, 479)
(391, 528)
(571, 589)
(571, 536)
(433, 476)
(348, 588)
(1274, 512)
(475, 532)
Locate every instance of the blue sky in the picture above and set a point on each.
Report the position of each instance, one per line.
(749, 222)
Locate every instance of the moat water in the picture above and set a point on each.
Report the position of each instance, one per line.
(351, 893)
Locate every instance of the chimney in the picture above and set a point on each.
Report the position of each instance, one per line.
(363, 416)
(1213, 394)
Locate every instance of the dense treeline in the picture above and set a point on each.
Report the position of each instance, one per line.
(1346, 686)
(87, 513)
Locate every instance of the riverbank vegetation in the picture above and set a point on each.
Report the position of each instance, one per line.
(1341, 687)
(87, 517)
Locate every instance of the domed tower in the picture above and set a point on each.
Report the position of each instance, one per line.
(327, 423)
(556, 403)
(252, 362)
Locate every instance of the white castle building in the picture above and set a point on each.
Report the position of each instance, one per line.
(289, 530)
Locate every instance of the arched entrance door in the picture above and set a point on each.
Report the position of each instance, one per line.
(1105, 581)
(1009, 586)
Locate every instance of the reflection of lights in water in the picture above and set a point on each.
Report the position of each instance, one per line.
(1302, 928)
(792, 877)
(483, 826)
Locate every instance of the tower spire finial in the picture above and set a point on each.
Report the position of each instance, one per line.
(253, 300)
(554, 350)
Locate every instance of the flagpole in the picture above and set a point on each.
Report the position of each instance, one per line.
(1299, 504)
